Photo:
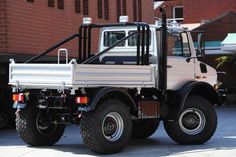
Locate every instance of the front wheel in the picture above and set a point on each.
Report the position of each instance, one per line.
(196, 123)
(108, 128)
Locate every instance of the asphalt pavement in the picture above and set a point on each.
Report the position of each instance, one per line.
(223, 143)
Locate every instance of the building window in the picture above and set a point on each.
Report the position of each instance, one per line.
(99, 8)
(77, 6)
(106, 9)
(85, 7)
(137, 10)
(178, 13)
(118, 9)
(30, 1)
(60, 4)
(134, 10)
(50, 3)
(140, 10)
(124, 7)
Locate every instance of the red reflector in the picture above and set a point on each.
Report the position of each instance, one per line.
(18, 97)
(81, 100)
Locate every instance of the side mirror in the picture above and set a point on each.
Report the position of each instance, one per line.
(200, 46)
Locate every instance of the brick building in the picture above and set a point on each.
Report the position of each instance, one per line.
(30, 26)
(197, 11)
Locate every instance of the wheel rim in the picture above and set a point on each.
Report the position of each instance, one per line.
(192, 121)
(44, 125)
(3, 120)
(112, 126)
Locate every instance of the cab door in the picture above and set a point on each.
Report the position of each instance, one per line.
(180, 70)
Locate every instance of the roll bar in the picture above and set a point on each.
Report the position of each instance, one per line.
(85, 42)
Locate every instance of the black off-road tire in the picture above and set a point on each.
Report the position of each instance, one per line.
(144, 128)
(92, 127)
(194, 105)
(28, 131)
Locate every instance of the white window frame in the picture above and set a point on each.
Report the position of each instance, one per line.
(174, 7)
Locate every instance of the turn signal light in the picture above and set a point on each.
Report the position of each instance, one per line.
(81, 100)
(216, 87)
(18, 97)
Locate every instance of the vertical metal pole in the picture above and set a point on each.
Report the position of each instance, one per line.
(138, 45)
(85, 43)
(143, 43)
(80, 42)
(163, 58)
(147, 44)
(89, 40)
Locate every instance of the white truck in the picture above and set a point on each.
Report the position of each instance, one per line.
(120, 93)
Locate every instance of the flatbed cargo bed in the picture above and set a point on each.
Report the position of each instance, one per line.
(68, 76)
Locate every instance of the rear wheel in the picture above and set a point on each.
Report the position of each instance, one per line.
(108, 128)
(144, 128)
(196, 123)
(36, 127)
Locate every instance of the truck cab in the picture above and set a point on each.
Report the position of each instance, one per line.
(183, 65)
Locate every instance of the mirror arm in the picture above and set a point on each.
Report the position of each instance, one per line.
(189, 58)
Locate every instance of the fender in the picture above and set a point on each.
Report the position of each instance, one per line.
(178, 98)
(199, 88)
(99, 94)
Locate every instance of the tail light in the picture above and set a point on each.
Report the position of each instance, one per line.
(81, 100)
(18, 97)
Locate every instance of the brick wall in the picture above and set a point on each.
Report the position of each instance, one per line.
(33, 27)
(3, 26)
(148, 11)
(197, 10)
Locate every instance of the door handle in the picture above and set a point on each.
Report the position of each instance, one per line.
(169, 66)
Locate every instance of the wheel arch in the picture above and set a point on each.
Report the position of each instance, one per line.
(180, 96)
(118, 93)
(198, 88)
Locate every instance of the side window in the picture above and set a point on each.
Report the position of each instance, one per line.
(178, 45)
(133, 40)
(111, 37)
(51, 3)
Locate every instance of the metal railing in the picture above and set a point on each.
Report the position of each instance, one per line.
(85, 43)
